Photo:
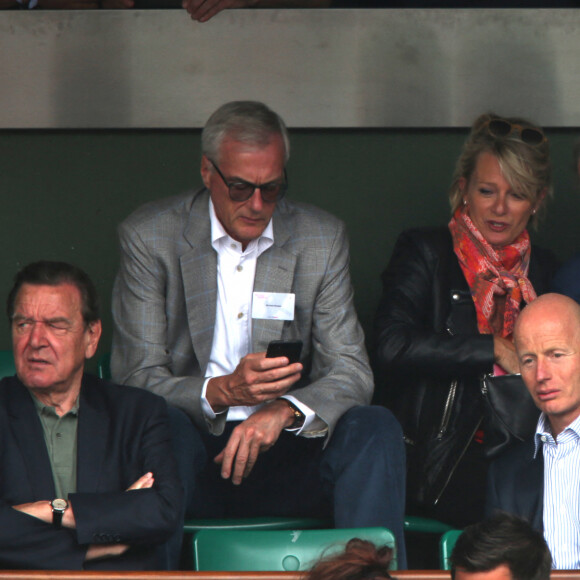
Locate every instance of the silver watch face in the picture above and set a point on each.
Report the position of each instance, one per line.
(59, 504)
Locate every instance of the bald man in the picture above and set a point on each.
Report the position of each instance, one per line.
(540, 478)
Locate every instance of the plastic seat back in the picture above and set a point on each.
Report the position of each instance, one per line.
(7, 368)
(104, 366)
(193, 526)
(421, 525)
(280, 550)
(264, 523)
(446, 545)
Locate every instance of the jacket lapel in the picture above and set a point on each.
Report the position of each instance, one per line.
(274, 273)
(462, 318)
(199, 275)
(29, 437)
(92, 434)
(530, 497)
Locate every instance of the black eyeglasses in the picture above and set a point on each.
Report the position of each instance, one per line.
(241, 190)
(503, 128)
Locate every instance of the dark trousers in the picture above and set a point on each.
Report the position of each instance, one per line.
(358, 479)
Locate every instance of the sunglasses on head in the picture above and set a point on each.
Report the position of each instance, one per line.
(504, 128)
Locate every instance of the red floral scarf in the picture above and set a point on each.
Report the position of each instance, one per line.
(492, 272)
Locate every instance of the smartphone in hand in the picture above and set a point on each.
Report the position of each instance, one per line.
(291, 349)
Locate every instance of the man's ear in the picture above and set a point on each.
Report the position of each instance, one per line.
(92, 337)
(206, 171)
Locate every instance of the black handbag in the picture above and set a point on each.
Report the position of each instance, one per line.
(510, 413)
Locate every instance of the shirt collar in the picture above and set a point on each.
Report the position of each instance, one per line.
(220, 236)
(544, 431)
(48, 410)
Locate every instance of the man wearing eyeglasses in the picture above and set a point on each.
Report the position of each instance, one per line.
(206, 282)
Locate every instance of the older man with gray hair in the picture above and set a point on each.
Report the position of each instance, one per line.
(207, 280)
(87, 478)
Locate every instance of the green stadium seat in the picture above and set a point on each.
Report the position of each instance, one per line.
(7, 368)
(278, 550)
(193, 526)
(104, 366)
(425, 525)
(446, 545)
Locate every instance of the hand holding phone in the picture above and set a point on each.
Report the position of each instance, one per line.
(291, 349)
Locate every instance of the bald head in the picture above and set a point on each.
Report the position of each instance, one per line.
(548, 309)
(547, 340)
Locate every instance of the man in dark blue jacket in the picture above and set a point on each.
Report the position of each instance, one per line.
(87, 478)
(539, 479)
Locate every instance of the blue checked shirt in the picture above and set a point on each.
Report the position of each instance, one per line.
(561, 492)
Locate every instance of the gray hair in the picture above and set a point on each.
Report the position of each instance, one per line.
(249, 122)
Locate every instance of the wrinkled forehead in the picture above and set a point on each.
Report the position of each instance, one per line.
(540, 331)
(47, 301)
(231, 148)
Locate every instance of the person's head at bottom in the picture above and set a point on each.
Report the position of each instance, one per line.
(503, 547)
(361, 560)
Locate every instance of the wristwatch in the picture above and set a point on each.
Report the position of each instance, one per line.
(58, 508)
(298, 415)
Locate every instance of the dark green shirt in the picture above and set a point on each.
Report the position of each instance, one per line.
(60, 436)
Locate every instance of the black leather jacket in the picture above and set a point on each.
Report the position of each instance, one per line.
(430, 355)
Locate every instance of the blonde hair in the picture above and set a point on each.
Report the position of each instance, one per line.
(526, 167)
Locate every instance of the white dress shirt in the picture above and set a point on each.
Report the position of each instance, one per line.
(232, 339)
(561, 492)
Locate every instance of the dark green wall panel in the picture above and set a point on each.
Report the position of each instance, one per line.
(63, 193)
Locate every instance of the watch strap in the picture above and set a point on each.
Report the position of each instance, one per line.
(58, 508)
(299, 416)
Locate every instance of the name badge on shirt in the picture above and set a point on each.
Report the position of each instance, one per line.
(273, 306)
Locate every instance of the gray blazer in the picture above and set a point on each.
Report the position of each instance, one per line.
(164, 306)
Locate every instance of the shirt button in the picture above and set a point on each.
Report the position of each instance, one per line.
(240, 315)
(543, 438)
(58, 435)
(455, 296)
(239, 268)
